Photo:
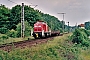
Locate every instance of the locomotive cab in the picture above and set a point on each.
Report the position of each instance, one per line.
(40, 30)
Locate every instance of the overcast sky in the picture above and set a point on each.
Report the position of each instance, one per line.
(77, 11)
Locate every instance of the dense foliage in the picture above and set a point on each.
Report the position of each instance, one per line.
(4, 19)
(3, 37)
(87, 25)
(12, 33)
(80, 36)
(27, 30)
(10, 18)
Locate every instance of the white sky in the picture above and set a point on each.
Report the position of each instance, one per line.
(77, 11)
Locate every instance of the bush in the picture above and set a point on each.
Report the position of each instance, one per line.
(27, 29)
(80, 37)
(18, 29)
(88, 32)
(85, 31)
(85, 43)
(12, 33)
(61, 31)
(3, 30)
(3, 37)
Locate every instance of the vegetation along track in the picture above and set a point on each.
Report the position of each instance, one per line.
(22, 44)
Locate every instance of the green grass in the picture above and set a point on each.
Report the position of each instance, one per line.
(85, 53)
(10, 40)
(46, 51)
(60, 48)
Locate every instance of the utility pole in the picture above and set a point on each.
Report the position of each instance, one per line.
(22, 21)
(68, 27)
(62, 21)
(76, 26)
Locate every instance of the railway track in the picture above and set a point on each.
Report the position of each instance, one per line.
(22, 44)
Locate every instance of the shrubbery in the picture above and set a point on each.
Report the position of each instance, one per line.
(3, 30)
(12, 33)
(80, 36)
(61, 30)
(88, 32)
(3, 37)
(17, 33)
(27, 29)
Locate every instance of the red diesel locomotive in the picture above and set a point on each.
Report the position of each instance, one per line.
(41, 29)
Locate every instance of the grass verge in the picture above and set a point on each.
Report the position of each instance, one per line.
(60, 48)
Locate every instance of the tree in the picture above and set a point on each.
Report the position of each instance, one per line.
(31, 15)
(87, 25)
(4, 18)
(52, 21)
(12, 18)
(15, 17)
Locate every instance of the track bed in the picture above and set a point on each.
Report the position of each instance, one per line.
(22, 44)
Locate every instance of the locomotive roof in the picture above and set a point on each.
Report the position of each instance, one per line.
(41, 21)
